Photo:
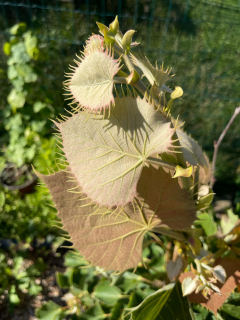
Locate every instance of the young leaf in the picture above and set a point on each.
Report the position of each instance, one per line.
(107, 293)
(189, 285)
(91, 83)
(191, 150)
(94, 42)
(154, 75)
(232, 267)
(107, 155)
(110, 239)
(182, 172)
(207, 223)
(161, 195)
(166, 303)
(127, 40)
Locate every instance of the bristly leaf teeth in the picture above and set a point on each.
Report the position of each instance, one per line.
(94, 42)
(91, 83)
(153, 74)
(107, 156)
(110, 239)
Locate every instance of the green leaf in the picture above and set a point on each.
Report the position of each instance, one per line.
(14, 299)
(166, 303)
(16, 98)
(19, 55)
(18, 28)
(73, 260)
(34, 289)
(50, 311)
(117, 310)
(205, 201)
(232, 310)
(207, 223)
(127, 40)
(62, 280)
(107, 156)
(107, 293)
(91, 84)
(38, 106)
(93, 313)
(7, 48)
(12, 72)
(30, 42)
(2, 198)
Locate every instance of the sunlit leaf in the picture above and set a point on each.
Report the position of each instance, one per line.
(166, 303)
(107, 293)
(191, 150)
(153, 74)
(91, 83)
(107, 155)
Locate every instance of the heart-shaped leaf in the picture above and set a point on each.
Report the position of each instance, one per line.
(91, 84)
(107, 155)
(111, 239)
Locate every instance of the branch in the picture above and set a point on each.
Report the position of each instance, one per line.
(217, 143)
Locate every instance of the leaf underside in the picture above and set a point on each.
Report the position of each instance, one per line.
(92, 82)
(111, 239)
(154, 75)
(107, 155)
(191, 150)
(162, 195)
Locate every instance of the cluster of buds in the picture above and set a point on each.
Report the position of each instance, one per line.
(204, 281)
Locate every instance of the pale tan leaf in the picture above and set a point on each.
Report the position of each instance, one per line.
(107, 155)
(153, 74)
(110, 239)
(91, 84)
(161, 195)
(94, 42)
(191, 150)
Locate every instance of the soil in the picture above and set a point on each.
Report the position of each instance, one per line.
(51, 291)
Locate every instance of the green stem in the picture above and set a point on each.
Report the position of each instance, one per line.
(169, 233)
(119, 80)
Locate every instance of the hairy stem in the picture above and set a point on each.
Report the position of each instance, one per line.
(218, 142)
(186, 181)
(161, 163)
(169, 233)
(195, 183)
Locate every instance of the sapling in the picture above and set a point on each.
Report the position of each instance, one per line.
(130, 168)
